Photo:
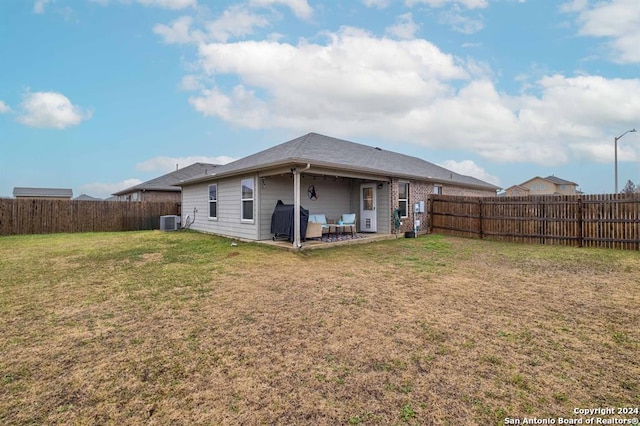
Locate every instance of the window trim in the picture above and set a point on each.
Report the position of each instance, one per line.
(405, 200)
(252, 199)
(437, 190)
(212, 201)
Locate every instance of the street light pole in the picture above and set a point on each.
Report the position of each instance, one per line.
(615, 156)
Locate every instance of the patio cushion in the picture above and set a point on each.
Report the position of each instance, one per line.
(318, 218)
(349, 218)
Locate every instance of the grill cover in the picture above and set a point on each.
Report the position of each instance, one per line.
(282, 221)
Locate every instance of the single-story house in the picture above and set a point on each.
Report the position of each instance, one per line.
(326, 176)
(550, 185)
(43, 193)
(164, 188)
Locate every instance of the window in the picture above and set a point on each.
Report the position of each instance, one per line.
(403, 198)
(563, 187)
(534, 187)
(541, 186)
(437, 189)
(213, 201)
(247, 199)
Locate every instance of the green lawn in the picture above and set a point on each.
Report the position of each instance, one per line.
(184, 328)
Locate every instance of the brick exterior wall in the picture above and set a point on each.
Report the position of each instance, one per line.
(162, 196)
(420, 191)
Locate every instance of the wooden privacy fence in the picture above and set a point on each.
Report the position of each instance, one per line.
(608, 220)
(38, 216)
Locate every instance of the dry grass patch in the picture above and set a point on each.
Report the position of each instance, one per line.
(183, 328)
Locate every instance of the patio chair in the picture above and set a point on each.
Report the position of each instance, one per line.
(314, 230)
(321, 219)
(349, 219)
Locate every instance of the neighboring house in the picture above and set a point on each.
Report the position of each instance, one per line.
(324, 175)
(164, 188)
(550, 185)
(516, 191)
(85, 197)
(43, 193)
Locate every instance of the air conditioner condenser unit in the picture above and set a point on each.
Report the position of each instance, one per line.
(169, 223)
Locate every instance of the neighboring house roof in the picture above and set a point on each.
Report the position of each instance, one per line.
(325, 151)
(85, 197)
(559, 181)
(518, 187)
(169, 181)
(552, 179)
(42, 192)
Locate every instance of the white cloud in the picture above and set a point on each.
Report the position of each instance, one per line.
(104, 190)
(51, 110)
(165, 4)
(190, 83)
(470, 168)
(300, 8)
(39, 6)
(615, 20)
(168, 164)
(404, 28)
(351, 74)
(237, 21)
(4, 108)
(169, 4)
(178, 32)
(380, 4)
(469, 4)
(234, 22)
(459, 22)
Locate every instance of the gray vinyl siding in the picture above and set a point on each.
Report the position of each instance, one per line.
(272, 189)
(334, 197)
(229, 221)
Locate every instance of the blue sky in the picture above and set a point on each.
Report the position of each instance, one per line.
(99, 95)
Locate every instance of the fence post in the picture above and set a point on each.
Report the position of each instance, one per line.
(580, 231)
(430, 213)
(480, 217)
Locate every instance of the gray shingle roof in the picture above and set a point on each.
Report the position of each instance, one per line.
(559, 181)
(169, 181)
(42, 192)
(320, 150)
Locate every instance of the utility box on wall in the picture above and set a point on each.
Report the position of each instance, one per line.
(418, 207)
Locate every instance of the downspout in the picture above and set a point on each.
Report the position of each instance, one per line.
(296, 205)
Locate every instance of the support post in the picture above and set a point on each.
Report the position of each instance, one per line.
(296, 208)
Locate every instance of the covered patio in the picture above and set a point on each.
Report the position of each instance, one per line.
(328, 193)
